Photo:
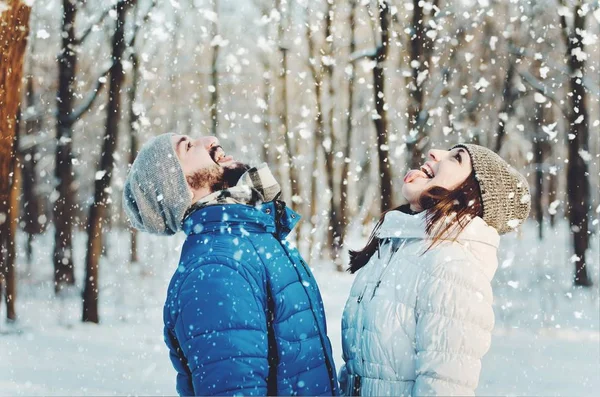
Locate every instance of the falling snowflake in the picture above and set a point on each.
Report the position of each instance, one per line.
(513, 223)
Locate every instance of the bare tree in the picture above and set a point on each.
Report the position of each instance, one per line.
(14, 30)
(379, 55)
(321, 69)
(509, 96)
(214, 72)
(13, 219)
(98, 211)
(134, 113)
(381, 123)
(283, 107)
(578, 184)
(540, 148)
(345, 180)
(133, 137)
(316, 72)
(335, 229)
(67, 115)
(421, 47)
(29, 154)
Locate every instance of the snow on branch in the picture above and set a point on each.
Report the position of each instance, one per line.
(370, 53)
(139, 24)
(542, 89)
(90, 28)
(521, 51)
(91, 97)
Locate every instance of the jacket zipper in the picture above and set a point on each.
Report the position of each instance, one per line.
(306, 268)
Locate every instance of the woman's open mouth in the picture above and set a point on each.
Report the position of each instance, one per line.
(426, 169)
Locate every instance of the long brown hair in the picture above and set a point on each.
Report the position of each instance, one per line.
(447, 212)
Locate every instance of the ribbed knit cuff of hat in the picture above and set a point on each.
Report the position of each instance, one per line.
(504, 191)
(156, 194)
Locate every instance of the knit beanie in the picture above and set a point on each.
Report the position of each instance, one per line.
(156, 194)
(504, 191)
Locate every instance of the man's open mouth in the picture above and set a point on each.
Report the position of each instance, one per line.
(218, 155)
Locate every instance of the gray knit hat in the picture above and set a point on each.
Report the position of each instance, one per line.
(156, 194)
(504, 191)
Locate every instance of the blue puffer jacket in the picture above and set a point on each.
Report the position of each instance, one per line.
(243, 313)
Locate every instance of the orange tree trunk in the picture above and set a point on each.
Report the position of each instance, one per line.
(14, 29)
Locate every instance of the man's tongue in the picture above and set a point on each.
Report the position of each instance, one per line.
(413, 174)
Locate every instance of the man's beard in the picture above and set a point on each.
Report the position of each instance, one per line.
(208, 177)
(233, 173)
(217, 178)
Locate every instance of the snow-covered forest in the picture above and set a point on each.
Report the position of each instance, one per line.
(340, 98)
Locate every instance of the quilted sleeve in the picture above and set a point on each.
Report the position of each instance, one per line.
(343, 379)
(454, 324)
(222, 331)
(184, 377)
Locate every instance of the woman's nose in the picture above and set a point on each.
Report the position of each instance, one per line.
(434, 154)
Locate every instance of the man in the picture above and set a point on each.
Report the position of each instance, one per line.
(243, 313)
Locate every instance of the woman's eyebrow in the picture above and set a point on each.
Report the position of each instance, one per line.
(461, 151)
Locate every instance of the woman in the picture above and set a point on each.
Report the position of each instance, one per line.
(419, 316)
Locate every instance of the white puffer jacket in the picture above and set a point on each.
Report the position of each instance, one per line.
(418, 324)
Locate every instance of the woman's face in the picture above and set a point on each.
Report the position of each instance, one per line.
(444, 168)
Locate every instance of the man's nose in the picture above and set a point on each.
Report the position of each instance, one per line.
(207, 141)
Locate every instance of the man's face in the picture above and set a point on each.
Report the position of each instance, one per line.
(202, 161)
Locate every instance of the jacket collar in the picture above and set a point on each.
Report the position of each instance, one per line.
(480, 239)
(271, 217)
(401, 225)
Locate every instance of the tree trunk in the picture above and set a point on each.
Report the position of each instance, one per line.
(381, 123)
(267, 87)
(98, 213)
(13, 214)
(265, 149)
(318, 146)
(316, 69)
(552, 186)
(509, 95)
(334, 234)
(14, 30)
(314, 197)
(296, 200)
(294, 180)
(31, 204)
(214, 75)
(421, 48)
(64, 274)
(578, 185)
(538, 160)
(133, 143)
(345, 179)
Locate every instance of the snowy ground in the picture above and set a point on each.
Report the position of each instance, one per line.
(546, 342)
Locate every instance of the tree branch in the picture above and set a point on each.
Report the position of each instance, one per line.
(542, 89)
(588, 84)
(91, 97)
(139, 24)
(370, 53)
(90, 28)
(564, 25)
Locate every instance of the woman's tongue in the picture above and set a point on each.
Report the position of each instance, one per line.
(414, 174)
